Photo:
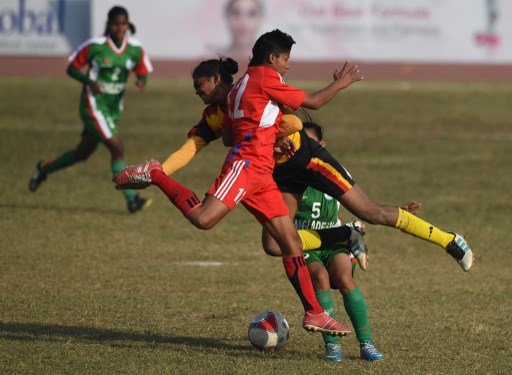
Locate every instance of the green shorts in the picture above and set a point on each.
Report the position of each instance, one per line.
(98, 118)
(325, 256)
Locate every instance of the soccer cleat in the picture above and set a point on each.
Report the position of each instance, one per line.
(458, 248)
(37, 177)
(357, 245)
(325, 324)
(333, 352)
(369, 352)
(138, 204)
(137, 176)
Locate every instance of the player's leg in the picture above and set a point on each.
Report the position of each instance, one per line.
(115, 145)
(227, 190)
(362, 206)
(329, 176)
(321, 284)
(340, 272)
(81, 152)
(315, 319)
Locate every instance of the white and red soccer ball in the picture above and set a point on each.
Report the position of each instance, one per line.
(268, 331)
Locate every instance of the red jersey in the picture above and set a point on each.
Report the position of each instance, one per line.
(254, 105)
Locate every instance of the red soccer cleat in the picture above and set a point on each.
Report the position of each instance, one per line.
(325, 324)
(137, 176)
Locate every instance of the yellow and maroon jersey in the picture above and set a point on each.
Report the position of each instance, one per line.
(209, 126)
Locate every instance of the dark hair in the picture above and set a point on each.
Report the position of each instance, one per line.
(225, 67)
(309, 123)
(275, 42)
(119, 11)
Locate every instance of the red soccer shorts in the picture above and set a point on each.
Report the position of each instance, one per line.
(257, 191)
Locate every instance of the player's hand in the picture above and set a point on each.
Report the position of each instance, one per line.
(96, 88)
(140, 85)
(413, 207)
(285, 146)
(347, 75)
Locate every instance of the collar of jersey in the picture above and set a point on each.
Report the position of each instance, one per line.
(113, 46)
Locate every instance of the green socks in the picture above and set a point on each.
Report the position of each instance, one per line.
(355, 306)
(325, 300)
(63, 161)
(117, 166)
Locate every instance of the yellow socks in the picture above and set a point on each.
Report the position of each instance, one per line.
(411, 224)
(324, 238)
(310, 239)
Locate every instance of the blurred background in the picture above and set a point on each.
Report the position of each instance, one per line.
(433, 40)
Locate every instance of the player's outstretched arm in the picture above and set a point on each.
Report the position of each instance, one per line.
(343, 78)
(184, 155)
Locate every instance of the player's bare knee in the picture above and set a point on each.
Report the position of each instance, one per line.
(346, 283)
(204, 222)
(320, 279)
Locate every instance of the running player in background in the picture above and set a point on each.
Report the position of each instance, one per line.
(254, 107)
(331, 267)
(109, 59)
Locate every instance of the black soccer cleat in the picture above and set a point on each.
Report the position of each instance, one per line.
(37, 177)
(138, 203)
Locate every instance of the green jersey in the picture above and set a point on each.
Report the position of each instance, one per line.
(110, 66)
(317, 211)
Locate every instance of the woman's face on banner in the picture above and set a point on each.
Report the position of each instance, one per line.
(244, 18)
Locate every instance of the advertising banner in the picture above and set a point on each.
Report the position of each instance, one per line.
(415, 31)
(43, 27)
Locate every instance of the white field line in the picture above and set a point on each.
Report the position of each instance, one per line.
(200, 263)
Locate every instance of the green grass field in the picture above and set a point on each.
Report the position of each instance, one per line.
(86, 288)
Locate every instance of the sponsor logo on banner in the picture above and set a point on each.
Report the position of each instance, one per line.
(25, 20)
(490, 38)
(43, 27)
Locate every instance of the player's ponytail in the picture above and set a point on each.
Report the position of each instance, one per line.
(224, 67)
(132, 28)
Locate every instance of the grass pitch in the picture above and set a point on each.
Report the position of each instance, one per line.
(87, 288)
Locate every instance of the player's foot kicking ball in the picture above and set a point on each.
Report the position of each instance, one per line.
(333, 352)
(139, 203)
(369, 352)
(136, 176)
(325, 324)
(357, 245)
(459, 249)
(37, 178)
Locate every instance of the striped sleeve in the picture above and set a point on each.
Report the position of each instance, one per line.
(144, 65)
(79, 58)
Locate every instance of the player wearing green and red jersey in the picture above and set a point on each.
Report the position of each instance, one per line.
(109, 60)
(332, 267)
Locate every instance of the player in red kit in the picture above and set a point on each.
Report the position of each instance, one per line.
(254, 108)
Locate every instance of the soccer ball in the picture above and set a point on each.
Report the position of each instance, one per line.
(268, 330)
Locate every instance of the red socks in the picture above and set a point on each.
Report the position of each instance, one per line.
(181, 196)
(298, 274)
